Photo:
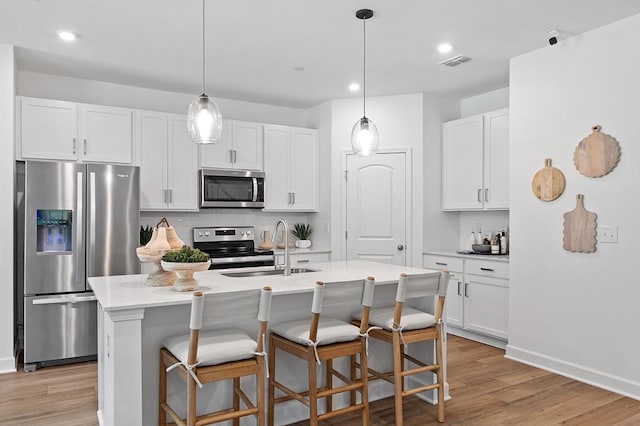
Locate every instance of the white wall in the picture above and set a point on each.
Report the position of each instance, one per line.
(7, 92)
(399, 121)
(102, 93)
(576, 313)
(485, 102)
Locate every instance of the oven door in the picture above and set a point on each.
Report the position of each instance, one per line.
(241, 262)
(231, 188)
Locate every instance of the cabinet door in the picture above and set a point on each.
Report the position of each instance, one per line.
(218, 155)
(276, 161)
(151, 138)
(247, 145)
(486, 307)
(462, 164)
(496, 160)
(453, 306)
(105, 134)
(182, 166)
(304, 169)
(48, 129)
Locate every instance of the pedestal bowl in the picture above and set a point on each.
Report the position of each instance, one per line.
(185, 271)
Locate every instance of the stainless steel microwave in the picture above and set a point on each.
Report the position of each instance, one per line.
(231, 188)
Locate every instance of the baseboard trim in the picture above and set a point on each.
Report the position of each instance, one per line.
(476, 337)
(592, 377)
(8, 365)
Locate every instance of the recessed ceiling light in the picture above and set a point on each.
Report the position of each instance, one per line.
(354, 87)
(66, 35)
(444, 48)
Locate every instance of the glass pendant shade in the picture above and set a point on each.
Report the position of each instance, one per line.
(364, 137)
(204, 121)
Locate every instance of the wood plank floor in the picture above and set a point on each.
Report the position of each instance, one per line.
(486, 389)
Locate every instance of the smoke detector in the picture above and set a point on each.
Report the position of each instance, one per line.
(455, 61)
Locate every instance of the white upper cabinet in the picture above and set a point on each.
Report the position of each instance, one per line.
(240, 147)
(291, 168)
(168, 162)
(475, 168)
(58, 130)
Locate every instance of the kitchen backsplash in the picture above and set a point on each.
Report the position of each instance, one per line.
(490, 222)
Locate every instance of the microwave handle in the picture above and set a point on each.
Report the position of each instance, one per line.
(255, 189)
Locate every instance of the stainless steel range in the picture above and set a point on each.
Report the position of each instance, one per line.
(231, 247)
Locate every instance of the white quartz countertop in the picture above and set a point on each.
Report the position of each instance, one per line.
(453, 253)
(130, 291)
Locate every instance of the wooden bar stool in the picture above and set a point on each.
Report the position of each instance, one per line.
(400, 325)
(324, 339)
(211, 356)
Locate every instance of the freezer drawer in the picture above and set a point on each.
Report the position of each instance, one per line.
(59, 327)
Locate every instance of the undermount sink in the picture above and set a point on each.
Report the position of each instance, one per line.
(267, 272)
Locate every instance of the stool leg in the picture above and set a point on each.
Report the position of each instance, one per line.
(162, 416)
(191, 401)
(236, 399)
(397, 376)
(313, 389)
(329, 381)
(354, 372)
(272, 378)
(260, 391)
(364, 378)
(440, 379)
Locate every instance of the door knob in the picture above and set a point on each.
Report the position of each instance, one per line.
(400, 247)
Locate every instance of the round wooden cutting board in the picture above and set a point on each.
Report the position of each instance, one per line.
(548, 183)
(597, 154)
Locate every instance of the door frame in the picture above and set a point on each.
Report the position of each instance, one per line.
(408, 175)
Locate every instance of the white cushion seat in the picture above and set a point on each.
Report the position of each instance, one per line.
(214, 347)
(329, 331)
(412, 319)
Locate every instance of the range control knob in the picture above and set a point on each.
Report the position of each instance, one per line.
(206, 234)
(248, 233)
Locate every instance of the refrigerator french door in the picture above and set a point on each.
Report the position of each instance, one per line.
(80, 220)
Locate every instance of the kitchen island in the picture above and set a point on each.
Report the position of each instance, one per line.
(134, 319)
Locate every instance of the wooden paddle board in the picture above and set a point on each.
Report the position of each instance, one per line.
(579, 228)
(548, 183)
(597, 154)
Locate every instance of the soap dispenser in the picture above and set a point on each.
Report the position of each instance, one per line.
(472, 240)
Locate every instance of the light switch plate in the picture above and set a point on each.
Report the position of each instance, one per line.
(608, 234)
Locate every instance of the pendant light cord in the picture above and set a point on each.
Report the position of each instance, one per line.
(203, 46)
(364, 68)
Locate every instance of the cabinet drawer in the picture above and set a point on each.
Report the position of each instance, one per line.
(452, 264)
(487, 268)
(298, 259)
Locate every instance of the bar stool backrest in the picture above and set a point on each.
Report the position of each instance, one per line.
(421, 285)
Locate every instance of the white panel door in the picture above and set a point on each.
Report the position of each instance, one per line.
(182, 166)
(462, 164)
(48, 129)
(276, 168)
(376, 208)
(304, 169)
(151, 136)
(247, 145)
(496, 159)
(485, 308)
(218, 155)
(105, 134)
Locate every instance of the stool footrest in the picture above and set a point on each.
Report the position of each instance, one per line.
(333, 391)
(414, 391)
(420, 370)
(345, 410)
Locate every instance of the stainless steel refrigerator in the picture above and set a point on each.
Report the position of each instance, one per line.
(80, 220)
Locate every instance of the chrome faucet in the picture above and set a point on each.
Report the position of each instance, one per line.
(287, 260)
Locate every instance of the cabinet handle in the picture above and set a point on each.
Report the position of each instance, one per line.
(459, 288)
(164, 196)
(231, 156)
(85, 147)
(466, 289)
(441, 263)
(479, 191)
(486, 194)
(170, 195)
(303, 261)
(74, 145)
(487, 269)
(235, 156)
(293, 194)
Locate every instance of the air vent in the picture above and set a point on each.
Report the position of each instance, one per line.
(455, 61)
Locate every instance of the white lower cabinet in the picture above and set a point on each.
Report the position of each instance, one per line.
(478, 296)
(168, 162)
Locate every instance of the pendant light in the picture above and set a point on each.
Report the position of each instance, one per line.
(204, 121)
(364, 135)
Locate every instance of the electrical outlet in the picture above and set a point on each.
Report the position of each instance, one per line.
(608, 234)
(326, 227)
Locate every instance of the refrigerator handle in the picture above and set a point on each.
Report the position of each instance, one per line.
(63, 300)
(79, 225)
(91, 228)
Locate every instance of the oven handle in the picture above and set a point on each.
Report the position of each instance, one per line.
(255, 189)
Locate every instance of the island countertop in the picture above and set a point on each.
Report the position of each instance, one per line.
(130, 291)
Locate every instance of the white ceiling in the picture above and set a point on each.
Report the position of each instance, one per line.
(253, 46)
